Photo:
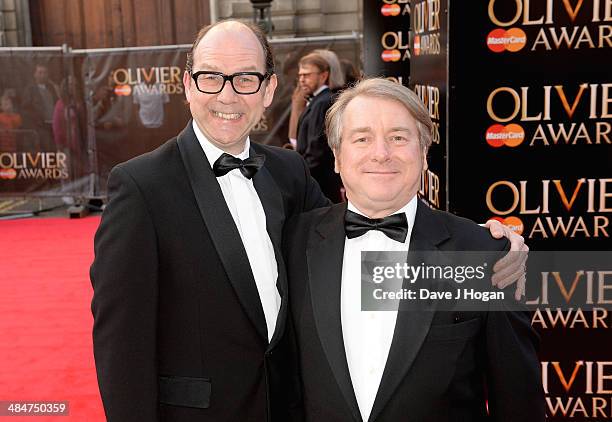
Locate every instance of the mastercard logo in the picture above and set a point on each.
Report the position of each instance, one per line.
(390, 10)
(390, 55)
(512, 40)
(511, 135)
(123, 90)
(513, 223)
(416, 49)
(8, 174)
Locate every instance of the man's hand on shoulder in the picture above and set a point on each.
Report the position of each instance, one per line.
(511, 268)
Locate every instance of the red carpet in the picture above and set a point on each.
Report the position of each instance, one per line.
(45, 320)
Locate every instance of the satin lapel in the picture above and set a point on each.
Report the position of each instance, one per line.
(272, 202)
(411, 327)
(221, 226)
(325, 253)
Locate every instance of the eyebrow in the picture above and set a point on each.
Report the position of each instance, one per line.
(361, 130)
(369, 129)
(400, 129)
(216, 69)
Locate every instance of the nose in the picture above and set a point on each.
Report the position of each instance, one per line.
(227, 94)
(381, 150)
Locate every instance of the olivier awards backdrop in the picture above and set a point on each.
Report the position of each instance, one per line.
(42, 122)
(67, 117)
(520, 93)
(388, 37)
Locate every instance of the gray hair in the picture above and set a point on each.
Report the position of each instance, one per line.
(336, 75)
(378, 88)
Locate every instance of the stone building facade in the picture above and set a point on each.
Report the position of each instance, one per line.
(20, 19)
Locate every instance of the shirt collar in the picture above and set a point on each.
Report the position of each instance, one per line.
(213, 152)
(318, 91)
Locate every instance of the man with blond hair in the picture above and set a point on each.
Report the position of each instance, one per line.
(386, 366)
(313, 74)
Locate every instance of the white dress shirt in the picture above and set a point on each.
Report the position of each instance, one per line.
(319, 90)
(248, 214)
(367, 335)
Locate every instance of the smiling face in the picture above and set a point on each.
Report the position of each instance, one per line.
(227, 118)
(380, 158)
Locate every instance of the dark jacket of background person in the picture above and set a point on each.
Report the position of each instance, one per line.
(312, 145)
(32, 102)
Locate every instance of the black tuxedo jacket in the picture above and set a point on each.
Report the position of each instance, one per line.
(311, 138)
(312, 144)
(438, 363)
(179, 331)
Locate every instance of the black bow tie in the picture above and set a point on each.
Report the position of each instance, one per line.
(394, 226)
(226, 163)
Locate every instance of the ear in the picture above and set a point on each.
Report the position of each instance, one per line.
(270, 88)
(336, 160)
(425, 165)
(187, 84)
(326, 74)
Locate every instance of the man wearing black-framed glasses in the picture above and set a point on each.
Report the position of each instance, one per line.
(190, 289)
(245, 83)
(190, 296)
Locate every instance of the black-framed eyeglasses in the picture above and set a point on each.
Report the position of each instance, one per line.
(244, 83)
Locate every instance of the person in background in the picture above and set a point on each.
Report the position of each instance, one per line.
(314, 73)
(150, 99)
(67, 119)
(112, 115)
(9, 121)
(38, 103)
(299, 99)
(336, 80)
